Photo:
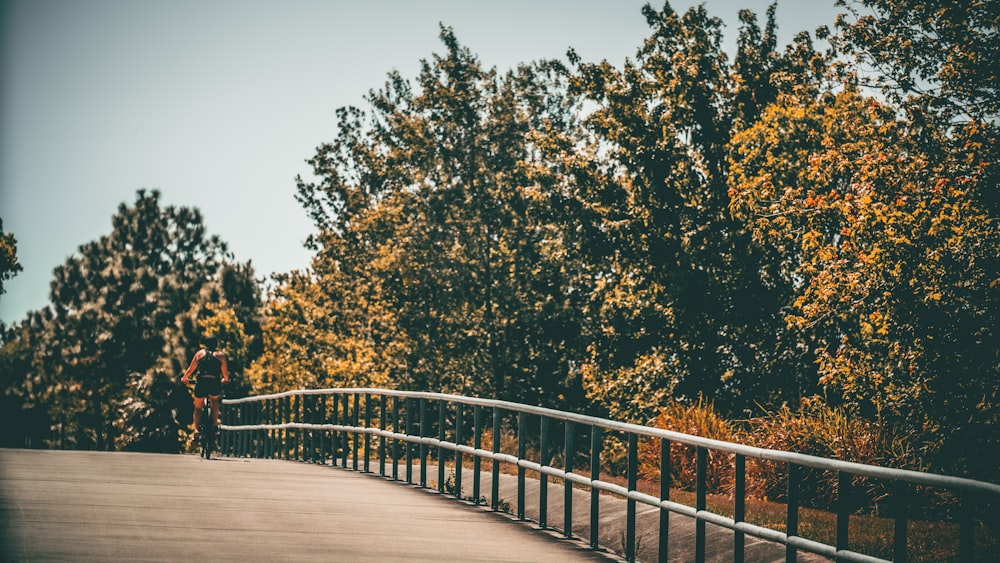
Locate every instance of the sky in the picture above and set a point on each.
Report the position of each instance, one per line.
(219, 103)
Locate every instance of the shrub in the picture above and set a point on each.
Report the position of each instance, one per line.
(697, 419)
(820, 430)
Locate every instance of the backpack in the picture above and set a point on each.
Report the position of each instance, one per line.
(209, 365)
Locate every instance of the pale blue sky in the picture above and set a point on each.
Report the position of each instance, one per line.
(219, 103)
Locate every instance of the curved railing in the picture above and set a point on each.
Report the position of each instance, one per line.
(341, 424)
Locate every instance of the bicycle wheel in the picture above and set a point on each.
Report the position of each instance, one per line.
(207, 433)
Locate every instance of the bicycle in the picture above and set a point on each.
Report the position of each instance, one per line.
(206, 430)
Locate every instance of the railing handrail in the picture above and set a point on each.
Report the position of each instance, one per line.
(854, 468)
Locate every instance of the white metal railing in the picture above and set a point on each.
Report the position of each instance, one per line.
(317, 424)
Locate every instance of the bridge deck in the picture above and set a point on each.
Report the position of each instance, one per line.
(98, 506)
(64, 505)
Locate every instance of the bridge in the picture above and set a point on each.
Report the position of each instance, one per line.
(78, 506)
(74, 505)
(347, 474)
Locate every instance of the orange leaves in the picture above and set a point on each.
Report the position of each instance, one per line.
(938, 188)
(876, 216)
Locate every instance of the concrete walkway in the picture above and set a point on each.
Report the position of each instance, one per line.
(88, 506)
(79, 506)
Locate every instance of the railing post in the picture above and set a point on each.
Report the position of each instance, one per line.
(282, 417)
(345, 447)
(306, 417)
(633, 470)
(843, 509)
(232, 416)
(792, 520)
(261, 416)
(739, 507)
(273, 414)
(543, 479)
(265, 434)
(233, 438)
(254, 414)
(368, 436)
(322, 433)
(477, 443)
(424, 450)
(966, 529)
(309, 415)
(901, 497)
(272, 434)
(224, 419)
(335, 435)
(522, 439)
(382, 415)
(355, 419)
(395, 442)
(495, 482)
(264, 416)
(319, 437)
(458, 455)
(409, 445)
(701, 488)
(595, 475)
(305, 434)
(440, 448)
(277, 436)
(293, 416)
(665, 471)
(568, 451)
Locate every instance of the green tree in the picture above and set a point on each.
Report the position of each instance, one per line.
(940, 54)
(9, 266)
(155, 410)
(686, 303)
(24, 415)
(114, 333)
(429, 214)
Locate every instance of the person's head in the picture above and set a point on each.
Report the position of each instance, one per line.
(211, 342)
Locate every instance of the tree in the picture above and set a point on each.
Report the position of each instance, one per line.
(882, 213)
(155, 409)
(117, 328)
(893, 250)
(316, 339)
(9, 266)
(24, 416)
(430, 225)
(686, 303)
(941, 54)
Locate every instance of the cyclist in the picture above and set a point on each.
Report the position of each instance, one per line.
(211, 365)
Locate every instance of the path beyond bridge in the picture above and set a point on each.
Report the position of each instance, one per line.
(97, 506)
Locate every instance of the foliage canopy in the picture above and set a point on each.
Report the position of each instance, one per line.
(762, 232)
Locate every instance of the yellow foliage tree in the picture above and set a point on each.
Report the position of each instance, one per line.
(884, 225)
